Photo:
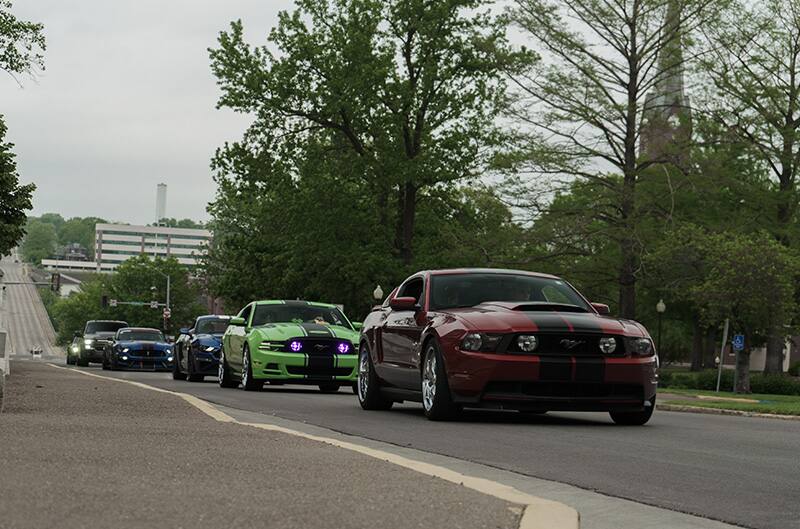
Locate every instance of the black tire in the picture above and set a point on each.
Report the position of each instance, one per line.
(369, 385)
(634, 418)
(177, 374)
(329, 387)
(226, 379)
(191, 376)
(80, 362)
(105, 363)
(248, 382)
(437, 401)
(112, 363)
(70, 360)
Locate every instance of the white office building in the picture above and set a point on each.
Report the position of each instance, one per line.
(116, 243)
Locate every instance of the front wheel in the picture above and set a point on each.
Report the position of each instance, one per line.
(80, 362)
(436, 397)
(177, 374)
(634, 418)
(248, 382)
(224, 373)
(191, 376)
(369, 385)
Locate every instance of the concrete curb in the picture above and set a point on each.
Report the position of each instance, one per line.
(722, 411)
(538, 513)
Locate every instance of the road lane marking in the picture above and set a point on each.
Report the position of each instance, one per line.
(538, 513)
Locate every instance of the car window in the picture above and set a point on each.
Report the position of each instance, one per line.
(104, 326)
(140, 335)
(412, 289)
(280, 313)
(245, 313)
(211, 326)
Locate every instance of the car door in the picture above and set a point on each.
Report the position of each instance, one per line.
(400, 335)
(237, 334)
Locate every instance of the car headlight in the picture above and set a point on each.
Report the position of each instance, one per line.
(125, 350)
(88, 341)
(475, 341)
(75, 348)
(124, 357)
(210, 349)
(527, 343)
(168, 351)
(169, 359)
(639, 346)
(608, 345)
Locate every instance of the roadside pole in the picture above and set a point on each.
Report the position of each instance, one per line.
(722, 353)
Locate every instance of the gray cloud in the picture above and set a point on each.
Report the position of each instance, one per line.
(127, 101)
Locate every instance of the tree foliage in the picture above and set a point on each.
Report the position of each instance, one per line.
(15, 199)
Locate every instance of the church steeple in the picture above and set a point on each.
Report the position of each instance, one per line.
(667, 116)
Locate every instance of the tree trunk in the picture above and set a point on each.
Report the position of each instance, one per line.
(743, 371)
(775, 345)
(697, 346)
(710, 348)
(627, 271)
(407, 205)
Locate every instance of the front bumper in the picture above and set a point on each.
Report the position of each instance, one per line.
(143, 363)
(299, 368)
(205, 363)
(556, 382)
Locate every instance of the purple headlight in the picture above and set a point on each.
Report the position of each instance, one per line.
(295, 346)
(344, 348)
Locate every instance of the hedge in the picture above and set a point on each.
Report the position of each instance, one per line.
(707, 380)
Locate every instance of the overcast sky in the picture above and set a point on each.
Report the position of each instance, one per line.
(127, 101)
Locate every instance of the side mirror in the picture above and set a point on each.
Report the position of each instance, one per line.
(77, 334)
(239, 322)
(403, 303)
(184, 330)
(601, 309)
(357, 325)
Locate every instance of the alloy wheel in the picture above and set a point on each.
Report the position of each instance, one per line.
(245, 367)
(363, 375)
(429, 379)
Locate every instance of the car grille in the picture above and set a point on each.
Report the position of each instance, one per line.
(147, 353)
(568, 344)
(312, 372)
(318, 346)
(564, 390)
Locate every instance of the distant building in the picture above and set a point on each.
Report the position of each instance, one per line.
(116, 243)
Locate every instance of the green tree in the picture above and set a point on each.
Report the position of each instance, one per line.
(753, 63)
(15, 199)
(80, 230)
(40, 241)
(407, 90)
(22, 43)
(608, 67)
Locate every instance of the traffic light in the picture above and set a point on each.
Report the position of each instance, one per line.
(104, 302)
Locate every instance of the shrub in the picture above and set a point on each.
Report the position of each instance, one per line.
(774, 384)
(707, 380)
(794, 369)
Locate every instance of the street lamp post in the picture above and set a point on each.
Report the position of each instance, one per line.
(661, 307)
(377, 293)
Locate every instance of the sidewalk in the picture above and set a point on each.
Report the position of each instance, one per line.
(83, 452)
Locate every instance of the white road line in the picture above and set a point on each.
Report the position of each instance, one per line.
(539, 513)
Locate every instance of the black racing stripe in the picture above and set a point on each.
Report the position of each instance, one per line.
(296, 303)
(590, 369)
(322, 364)
(555, 368)
(315, 329)
(548, 321)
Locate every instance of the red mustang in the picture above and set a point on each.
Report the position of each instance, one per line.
(503, 339)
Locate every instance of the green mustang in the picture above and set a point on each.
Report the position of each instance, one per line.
(292, 342)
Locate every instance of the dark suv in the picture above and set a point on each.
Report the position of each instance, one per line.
(91, 344)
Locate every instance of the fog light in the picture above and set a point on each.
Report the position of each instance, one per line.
(527, 343)
(608, 345)
(124, 357)
(169, 359)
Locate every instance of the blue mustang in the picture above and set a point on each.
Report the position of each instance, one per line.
(140, 349)
(197, 350)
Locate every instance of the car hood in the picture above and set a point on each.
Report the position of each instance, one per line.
(208, 340)
(287, 331)
(136, 345)
(519, 317)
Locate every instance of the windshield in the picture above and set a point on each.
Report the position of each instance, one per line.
(93, 327)
(298, 314)
(140, 336)
(467, 290)
(211, 326)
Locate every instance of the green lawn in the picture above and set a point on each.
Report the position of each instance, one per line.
(778, 404)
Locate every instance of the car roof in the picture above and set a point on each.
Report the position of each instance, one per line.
(214, 317)
(138, 329)
(454, 271)
(107, 321)
(295, 302)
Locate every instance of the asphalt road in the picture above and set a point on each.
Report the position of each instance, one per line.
(744, 471)
(22, 314)
(80, 452)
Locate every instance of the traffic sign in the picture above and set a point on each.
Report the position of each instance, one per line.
(738, 342)
(167, 314)
(154, 304)
(112, 302)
